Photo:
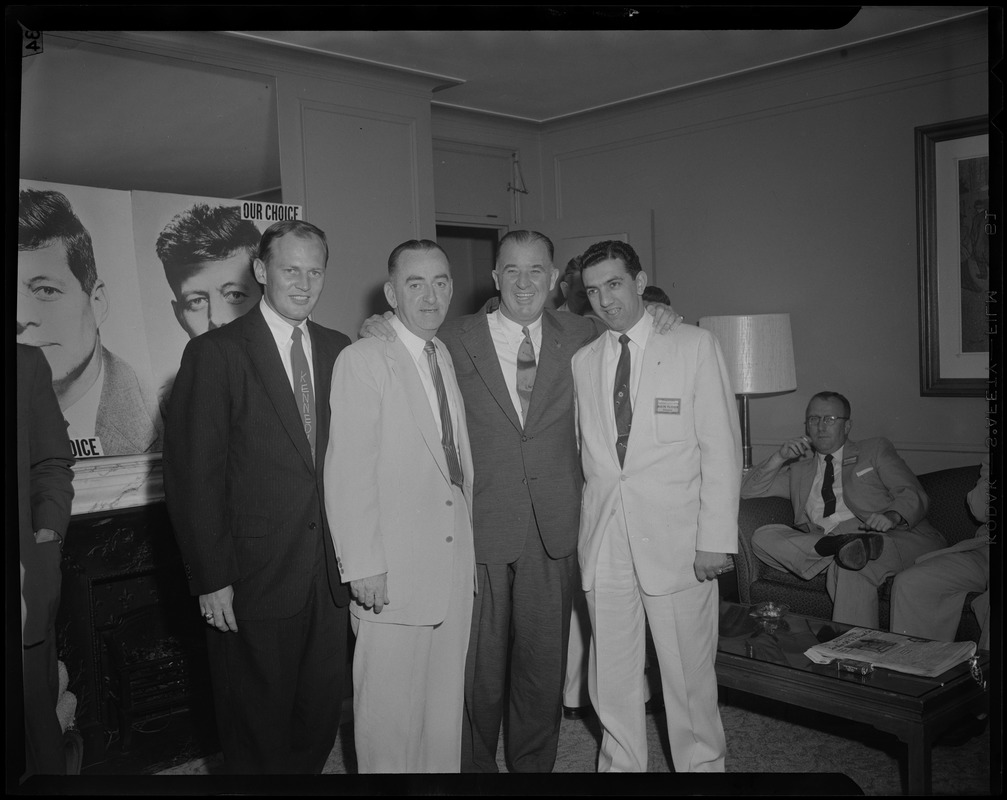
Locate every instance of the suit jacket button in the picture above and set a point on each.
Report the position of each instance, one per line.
(451, 538)
(312, 526)
(449, 503)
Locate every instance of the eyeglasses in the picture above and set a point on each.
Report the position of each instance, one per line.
(829, 421)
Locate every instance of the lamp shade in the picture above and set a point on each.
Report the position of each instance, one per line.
(759, 351)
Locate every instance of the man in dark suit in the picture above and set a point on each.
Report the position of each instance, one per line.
(245, 442)
(45, 494)
(859, 511)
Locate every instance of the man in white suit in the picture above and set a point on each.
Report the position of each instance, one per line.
(398, 489)
(660, 515)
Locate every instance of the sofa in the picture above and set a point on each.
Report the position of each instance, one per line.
(948, 513)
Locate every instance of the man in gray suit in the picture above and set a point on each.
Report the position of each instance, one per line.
(512, 361)
(60, 306)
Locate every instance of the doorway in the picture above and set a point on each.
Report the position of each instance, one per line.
(472, 253)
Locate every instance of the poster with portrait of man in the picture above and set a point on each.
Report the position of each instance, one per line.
(194, 260)
(79, 302)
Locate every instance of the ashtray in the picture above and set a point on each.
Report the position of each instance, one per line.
(769, 610)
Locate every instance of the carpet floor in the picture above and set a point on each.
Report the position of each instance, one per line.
(762, 743)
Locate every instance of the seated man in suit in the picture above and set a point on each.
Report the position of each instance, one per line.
(927, 598)
(859, 512)
(398, 489)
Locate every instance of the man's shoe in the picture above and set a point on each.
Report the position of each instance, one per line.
(852, 550)
(577, 712)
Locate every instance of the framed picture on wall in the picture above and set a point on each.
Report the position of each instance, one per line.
(953, 225)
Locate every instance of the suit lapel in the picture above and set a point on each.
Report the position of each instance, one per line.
(265, 360)
(643, 417)
(478, 343)
(547, 372)
(404, 367)
(322, 359)
(602, 394)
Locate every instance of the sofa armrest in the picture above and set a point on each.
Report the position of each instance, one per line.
(753, 513)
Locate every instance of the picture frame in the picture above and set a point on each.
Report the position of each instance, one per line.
(952, 208)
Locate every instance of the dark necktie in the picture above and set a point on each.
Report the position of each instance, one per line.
(623, 406)
(447, 432)
(525, 373)
(827, 494)
(302, 387)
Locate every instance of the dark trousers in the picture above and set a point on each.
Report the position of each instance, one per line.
(43, 736)
(517, 660)
(278, 688)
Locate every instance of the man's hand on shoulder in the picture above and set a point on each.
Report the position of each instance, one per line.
(666, 319)
(379, 327)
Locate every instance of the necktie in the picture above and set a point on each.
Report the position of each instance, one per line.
(525, 373)
(302, 387)
(623, 405)
(447, 432)
(827, 494)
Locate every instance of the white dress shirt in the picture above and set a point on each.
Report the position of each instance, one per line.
(82, 416)
(282, 331)
(638, 335)
(816, 505)
(507, 339)
(414, 344)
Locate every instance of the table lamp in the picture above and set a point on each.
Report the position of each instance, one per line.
(759, 351)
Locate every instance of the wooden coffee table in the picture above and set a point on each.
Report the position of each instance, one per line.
(766, 658)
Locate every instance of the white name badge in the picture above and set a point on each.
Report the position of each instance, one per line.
(667, 405)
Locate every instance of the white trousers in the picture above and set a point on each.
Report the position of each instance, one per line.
(684, 629)
(409, 682)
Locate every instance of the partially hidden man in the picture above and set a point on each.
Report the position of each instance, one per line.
(398, 489)
(246, 437)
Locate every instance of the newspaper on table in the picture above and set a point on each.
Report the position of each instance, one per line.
(893, 651)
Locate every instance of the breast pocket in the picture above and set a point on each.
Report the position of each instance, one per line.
(670, 423)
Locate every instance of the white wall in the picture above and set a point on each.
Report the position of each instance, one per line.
(793, 190)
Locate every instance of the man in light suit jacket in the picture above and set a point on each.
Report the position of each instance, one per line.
(44, 497)
(859, 512)
(398, 489)
(247, 430)
(660, 515)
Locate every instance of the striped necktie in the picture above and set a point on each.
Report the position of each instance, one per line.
(525, 373)
(447, 432)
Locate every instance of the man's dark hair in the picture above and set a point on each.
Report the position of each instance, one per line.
(832, 396)
(45, 216)
(573, 267)
(526, 237)
(421, 245)
(612, 248)
(204, 234)
(293, 227)
(655, 294)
